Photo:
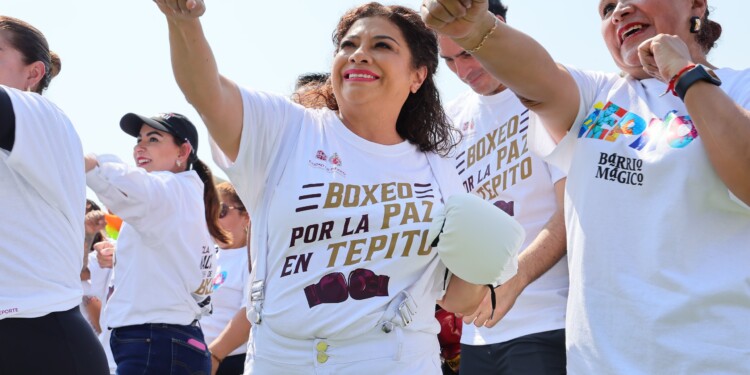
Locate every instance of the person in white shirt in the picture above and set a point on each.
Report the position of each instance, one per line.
(42, 198)
(658, 186)
(343, 278)
(227, 330)
(495, 163)
(165, 258)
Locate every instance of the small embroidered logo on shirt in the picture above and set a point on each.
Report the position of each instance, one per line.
(330, 164)
(468, 127)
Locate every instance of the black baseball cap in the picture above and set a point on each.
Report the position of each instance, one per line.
(173, 123)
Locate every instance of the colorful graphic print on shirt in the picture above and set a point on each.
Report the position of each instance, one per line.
(611, 122)
(220, 279)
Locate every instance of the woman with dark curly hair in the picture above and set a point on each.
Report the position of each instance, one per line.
(343, 277)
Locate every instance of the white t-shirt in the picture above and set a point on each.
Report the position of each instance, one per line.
(658, 248)
(495, 163)
(43, 202)
(100, 279)
(346, 212)
(165, 258)
(229, 293)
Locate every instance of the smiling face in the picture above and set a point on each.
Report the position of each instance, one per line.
(156, 150)
(628, 23)
(467, 68)
(373, 65)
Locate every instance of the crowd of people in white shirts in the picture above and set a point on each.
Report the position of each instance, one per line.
(611, 235)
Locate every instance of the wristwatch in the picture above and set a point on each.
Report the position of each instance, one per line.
(699, 73)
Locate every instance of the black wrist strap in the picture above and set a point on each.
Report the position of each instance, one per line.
(7, 121)
(689, 78)
(493, 299)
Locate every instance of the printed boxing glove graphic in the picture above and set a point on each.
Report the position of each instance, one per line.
(333, 288)
(364, 284)
(330, 289)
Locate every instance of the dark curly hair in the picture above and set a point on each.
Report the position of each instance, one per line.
(708, 34)
(422, 120)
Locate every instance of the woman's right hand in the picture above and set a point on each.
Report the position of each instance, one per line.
(457, 19)
(104, 254)
(182, 9)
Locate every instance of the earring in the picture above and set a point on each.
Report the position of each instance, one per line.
(695, 24)
(178, 162)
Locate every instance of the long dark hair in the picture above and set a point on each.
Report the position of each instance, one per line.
(210, 195)
(33, 46)
(422, 120)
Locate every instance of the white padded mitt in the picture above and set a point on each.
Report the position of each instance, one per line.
(477, 241)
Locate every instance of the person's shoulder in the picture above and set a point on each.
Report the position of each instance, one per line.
(462, 100)
(465, 102)
(594, 75)
(29, 101)
(730, 74)
(735, 82)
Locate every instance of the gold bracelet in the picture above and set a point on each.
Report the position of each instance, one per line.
(484, 39)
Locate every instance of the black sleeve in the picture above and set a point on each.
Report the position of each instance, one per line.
(7, 121)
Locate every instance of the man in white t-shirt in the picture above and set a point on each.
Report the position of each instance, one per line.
(494, 162)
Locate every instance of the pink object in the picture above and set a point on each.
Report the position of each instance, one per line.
(197, 344)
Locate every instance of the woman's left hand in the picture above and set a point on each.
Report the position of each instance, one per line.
(94, 222)
(663, 56)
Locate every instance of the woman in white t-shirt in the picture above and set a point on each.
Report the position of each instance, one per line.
(227, 329)
(343, 278)
(658, 186)
(165, 259)
(42, 200)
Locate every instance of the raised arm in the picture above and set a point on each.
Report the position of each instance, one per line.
(723, 124)
(544, 87)
(215, 98)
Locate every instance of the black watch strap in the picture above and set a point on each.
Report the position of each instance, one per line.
(699, 73)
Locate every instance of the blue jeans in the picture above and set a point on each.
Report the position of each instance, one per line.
(160, 349)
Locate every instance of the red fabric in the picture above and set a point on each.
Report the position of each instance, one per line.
(449, 337)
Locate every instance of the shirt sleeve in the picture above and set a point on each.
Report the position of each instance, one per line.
(556, 174)
(737, 85)
(7, 121)
(143, 200)
(266, 119)
(590, 85)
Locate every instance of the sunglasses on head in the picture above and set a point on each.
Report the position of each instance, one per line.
(224, 209)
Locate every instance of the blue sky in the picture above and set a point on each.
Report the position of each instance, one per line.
(115, 54)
